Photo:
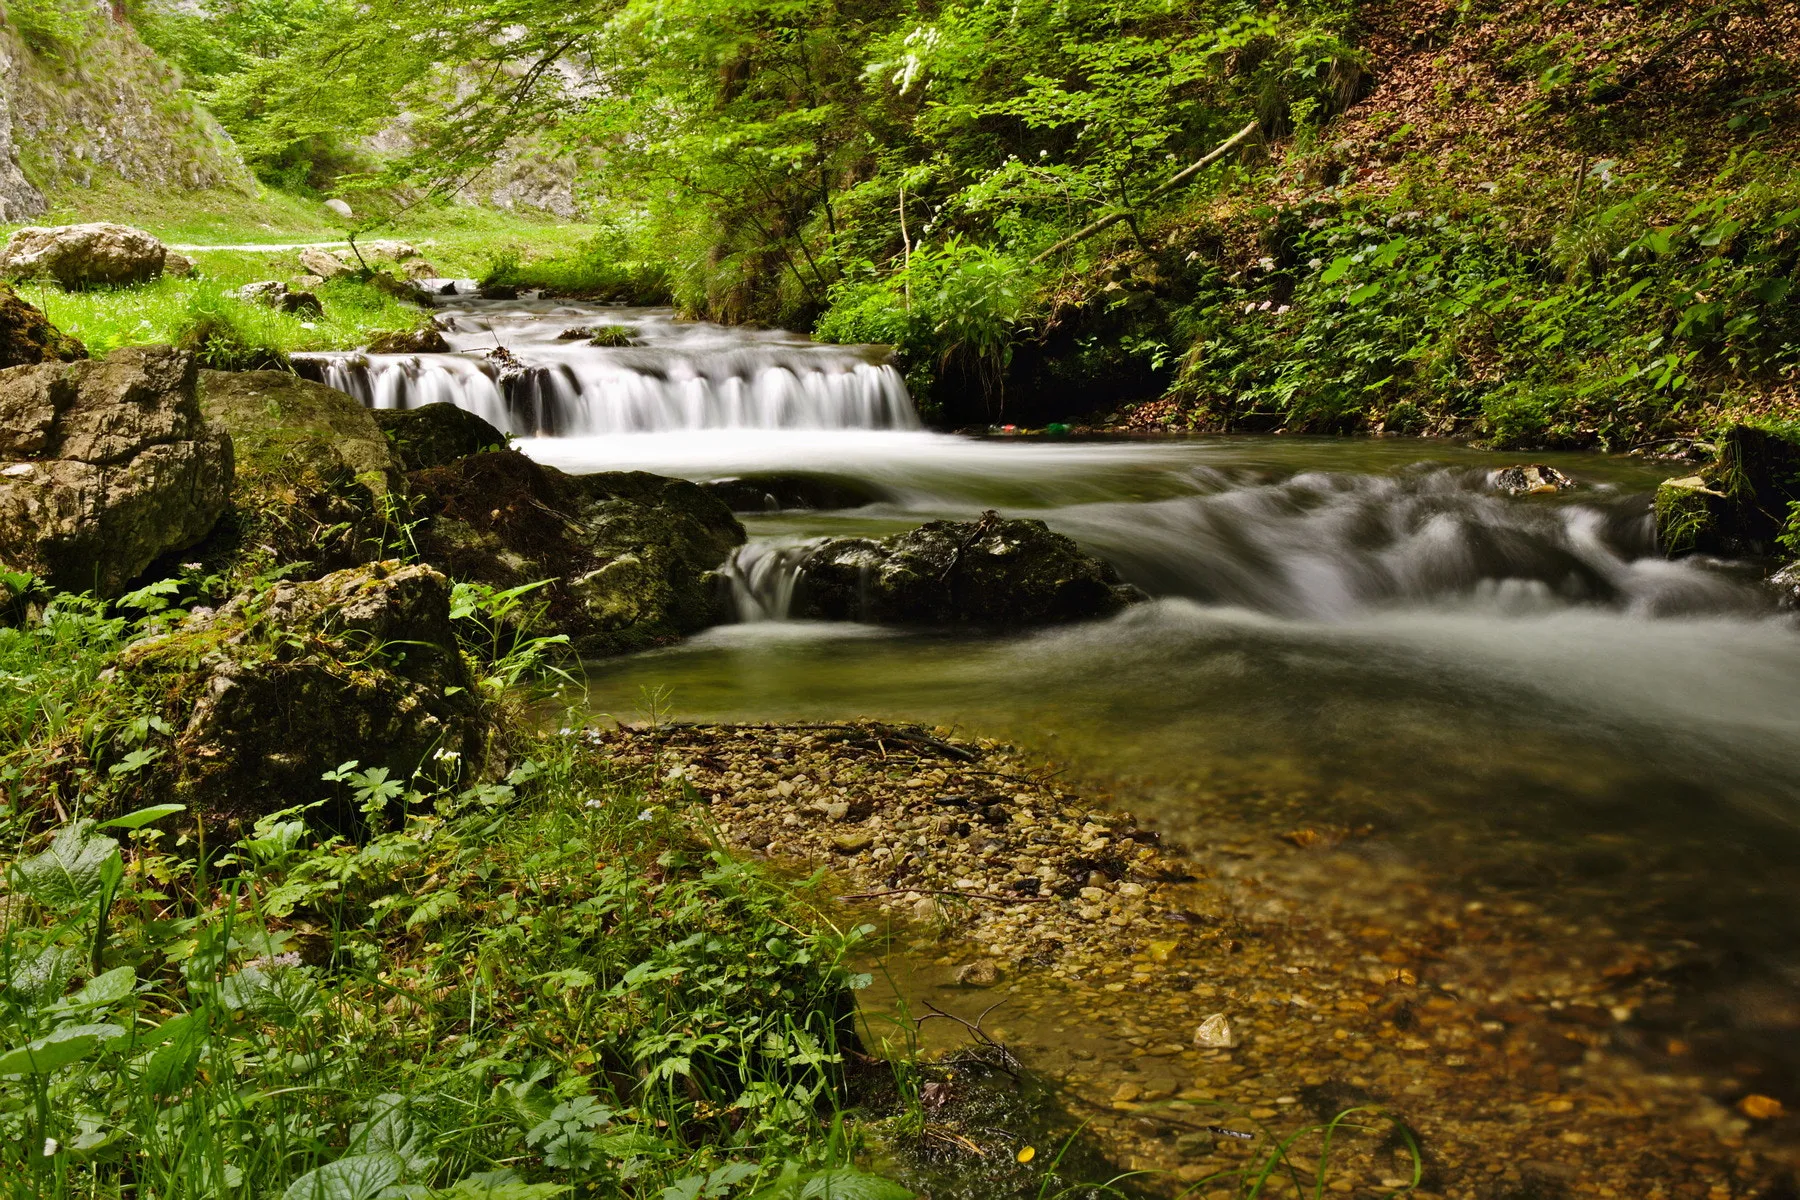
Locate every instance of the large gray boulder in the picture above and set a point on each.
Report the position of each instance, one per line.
(104, 466)
(83, 255)
(281, 685)
(993, 572)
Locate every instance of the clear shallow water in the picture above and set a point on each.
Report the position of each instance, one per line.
(1518, 694)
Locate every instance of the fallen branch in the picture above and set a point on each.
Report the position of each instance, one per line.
(1175, 181)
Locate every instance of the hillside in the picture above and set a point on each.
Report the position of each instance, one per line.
(85, 106)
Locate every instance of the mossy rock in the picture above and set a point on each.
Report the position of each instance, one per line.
(27, 336)
(994, 573)
(316, 481)
(409, 341)
(435, 435)
(286, 682)
(631, 558)
(1740, 503)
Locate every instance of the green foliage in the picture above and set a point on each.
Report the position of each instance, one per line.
(551, 989)
(957, 307)
(215, 331)
(55, 28)
(1601, 334)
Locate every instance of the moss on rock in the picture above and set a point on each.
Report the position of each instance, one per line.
(28, 337)
(285, 683)
(435, 435)
(1740, 503)
(633, 558)
(316, 482)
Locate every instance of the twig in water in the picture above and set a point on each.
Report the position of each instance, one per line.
(946, 892)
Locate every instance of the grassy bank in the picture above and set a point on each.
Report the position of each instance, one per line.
(456, 241)
(539, 985)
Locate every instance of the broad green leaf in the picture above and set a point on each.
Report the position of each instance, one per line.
(1367, 291)
(143, 816)
(57, 1050)
(1336, 270)
(72, 871)
(846, 1184)
(41, 978)
(104, 989)
(499, 1185)
(171, 1068)
(353, 1177)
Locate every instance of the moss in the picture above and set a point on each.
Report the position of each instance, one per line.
(435, 435)
(315, 478)
(27, 336)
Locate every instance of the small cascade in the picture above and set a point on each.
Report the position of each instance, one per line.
(529, 369)
(763, 575)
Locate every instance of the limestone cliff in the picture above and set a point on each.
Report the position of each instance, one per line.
(107, 110)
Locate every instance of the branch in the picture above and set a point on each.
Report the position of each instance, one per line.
(1175, 181)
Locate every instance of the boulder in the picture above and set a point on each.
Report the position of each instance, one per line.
(27, 336)
(272, 293)
(316, 482)
(1531, 480)
(1737, 504)
(633, 559)
(773, 491)
(992, 572)
(1786, 585)
(280, 685)
(418, 270)
(435, 435)
(341, 208)
(178, 265)
(389, 250)
(322, 263)
(104, 465)
(409, 341)
(83, 255)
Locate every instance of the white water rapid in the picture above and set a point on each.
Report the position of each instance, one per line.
(512, 365)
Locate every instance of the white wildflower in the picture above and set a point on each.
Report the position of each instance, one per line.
(645, 815)
(51, 1146)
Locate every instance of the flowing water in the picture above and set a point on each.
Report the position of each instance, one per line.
(1518, 697)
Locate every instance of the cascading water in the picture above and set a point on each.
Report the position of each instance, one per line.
(510, 364)
(1333, 545)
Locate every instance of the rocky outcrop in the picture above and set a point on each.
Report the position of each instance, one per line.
(27, 336)
(114, 113)
(105, 465)
(1737, 504)
(97, 253)
(316, 482)
(435, 435)
(633, 558)
(281, 685)
(992, 572)
(323, 263)
(1531, 480)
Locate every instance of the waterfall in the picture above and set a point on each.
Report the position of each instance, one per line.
(511, 364)
(763, 575)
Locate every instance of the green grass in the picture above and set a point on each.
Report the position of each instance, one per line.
(163, 311)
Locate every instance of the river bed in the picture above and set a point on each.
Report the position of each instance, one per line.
(1414, 733)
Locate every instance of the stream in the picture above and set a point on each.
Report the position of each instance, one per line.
(1523, 715)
